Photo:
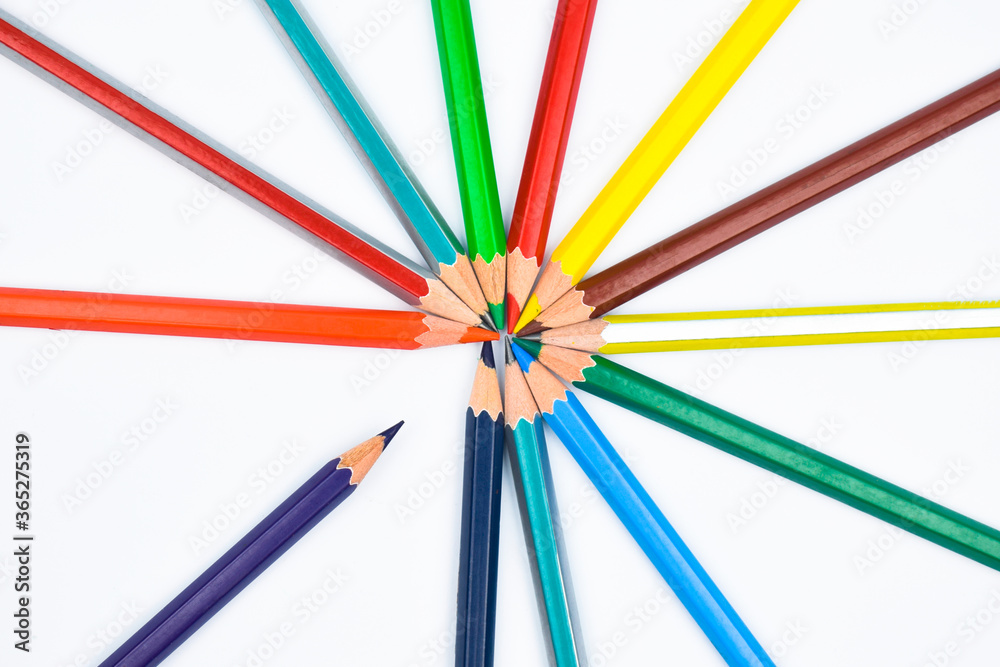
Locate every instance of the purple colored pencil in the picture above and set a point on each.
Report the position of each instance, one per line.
(263, 545)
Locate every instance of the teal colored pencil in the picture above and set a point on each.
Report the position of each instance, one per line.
(540, 520)
(421, 219)
(470, 140)
(641, 517)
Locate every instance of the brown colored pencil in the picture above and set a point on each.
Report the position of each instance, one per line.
(750, 216)
(232, 320)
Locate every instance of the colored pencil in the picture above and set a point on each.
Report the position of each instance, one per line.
(759, 212)
(642, 518)
(543, 161)
(258, 549)
(536, 500)
(480, 540)
(370, 142)
(774, 452)
(777, 327)
(231, 320)
(655, 152)
(211, 160)
(470, 139)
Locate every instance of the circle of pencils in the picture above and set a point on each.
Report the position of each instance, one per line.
(560, 317)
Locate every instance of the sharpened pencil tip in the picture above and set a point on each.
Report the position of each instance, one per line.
(524, 359)
(389, 433)
(497, 313)
(487, 323)
(487, 355)
(534, 336)
(508, 352)
(531, 346)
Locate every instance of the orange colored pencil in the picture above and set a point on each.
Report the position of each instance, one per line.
(233, 320)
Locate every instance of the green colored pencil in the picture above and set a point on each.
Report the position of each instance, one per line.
(750, 442)
(470, 139)
(536, 500)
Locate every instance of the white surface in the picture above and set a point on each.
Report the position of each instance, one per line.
(909, 415)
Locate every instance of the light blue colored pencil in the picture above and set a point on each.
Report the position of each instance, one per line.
(662, 545)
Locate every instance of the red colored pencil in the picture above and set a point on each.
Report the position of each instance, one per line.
(760, 211)
(543, 161)
(234, 320)
(415, 286)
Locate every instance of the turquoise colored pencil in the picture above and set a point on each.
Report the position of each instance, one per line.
(421, 219)
(614, 480)
(771, 451)
(470, 139)
(536, 500)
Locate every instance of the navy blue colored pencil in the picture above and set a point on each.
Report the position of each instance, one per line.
(480, 541)
(250, 556)
(662, 545)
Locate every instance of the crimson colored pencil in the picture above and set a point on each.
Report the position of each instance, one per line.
(543, 161)
(748, 217)
(233, 320)
(414, 285)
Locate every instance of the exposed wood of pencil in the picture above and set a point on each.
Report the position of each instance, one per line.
(771, 451)
(642, 518)
(372, 145)
(480, 536)
(232, 320)
(777, 327)
(748, 217)
(249, 557)
(540, 520)
(543, 160)
(211, 160)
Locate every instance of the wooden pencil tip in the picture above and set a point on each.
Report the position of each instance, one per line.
(487, 355)
(532, 327)
(508, 352)
(524, 360)
(532, 346)
(389, 433)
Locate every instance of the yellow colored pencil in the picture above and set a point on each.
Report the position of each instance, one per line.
(656, 151)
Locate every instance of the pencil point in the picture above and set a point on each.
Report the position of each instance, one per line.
(533, 347)
(530, 311)
(388, 434)
(487, 323)
(508, 352)
(497, 313)
(531, 336)
(513, 313)
(487, 355)
(532, 327)
(524, 360)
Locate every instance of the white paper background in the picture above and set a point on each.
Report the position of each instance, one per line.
(114, 222)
